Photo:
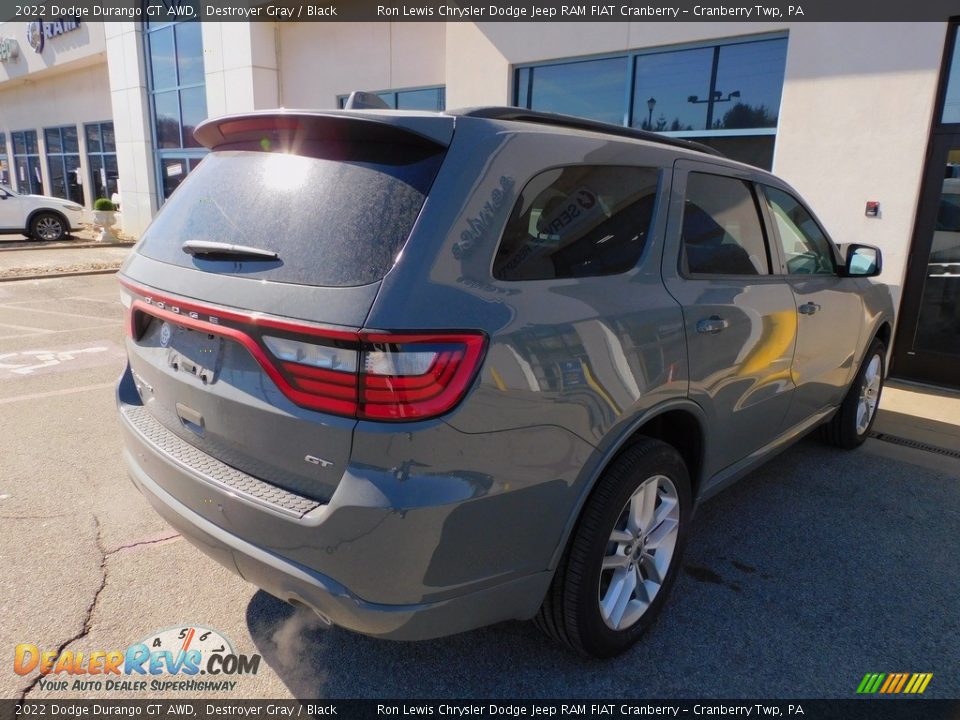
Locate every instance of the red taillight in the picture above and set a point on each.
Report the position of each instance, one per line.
(411, 377)
(367, 375)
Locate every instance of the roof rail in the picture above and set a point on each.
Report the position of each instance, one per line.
(577, 123)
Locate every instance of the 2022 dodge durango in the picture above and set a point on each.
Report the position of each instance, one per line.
(424, 372)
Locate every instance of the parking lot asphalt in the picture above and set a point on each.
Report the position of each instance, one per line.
(816, 569)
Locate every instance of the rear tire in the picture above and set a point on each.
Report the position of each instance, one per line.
(48, 226)
(623, 558)
(851, 425)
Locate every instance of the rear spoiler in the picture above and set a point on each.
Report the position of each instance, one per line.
(282, 129)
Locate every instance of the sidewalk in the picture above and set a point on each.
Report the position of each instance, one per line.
(918, 424)
(22, 258)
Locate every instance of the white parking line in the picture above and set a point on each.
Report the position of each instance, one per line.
(54, 332)
(29, 328)
(114, 301)
(55, 393)
(50, 312)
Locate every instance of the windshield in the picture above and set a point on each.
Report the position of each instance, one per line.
(336, 220)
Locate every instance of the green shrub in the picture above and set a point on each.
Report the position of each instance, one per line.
(104, 204)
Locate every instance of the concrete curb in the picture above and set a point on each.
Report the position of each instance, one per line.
(78, 246)
(50, 276)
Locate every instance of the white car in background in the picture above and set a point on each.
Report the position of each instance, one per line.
(37, 216)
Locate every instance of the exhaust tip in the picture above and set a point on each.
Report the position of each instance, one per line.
(301, 605)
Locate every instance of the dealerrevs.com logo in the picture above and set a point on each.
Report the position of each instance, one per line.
(189, 658)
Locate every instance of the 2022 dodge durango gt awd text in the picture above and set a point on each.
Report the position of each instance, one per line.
(427, 372)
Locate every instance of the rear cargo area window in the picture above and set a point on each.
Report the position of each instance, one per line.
(577, 222)
(336, 218)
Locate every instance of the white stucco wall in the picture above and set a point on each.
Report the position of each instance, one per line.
(131, 120)
(319, 62)
(854, 123)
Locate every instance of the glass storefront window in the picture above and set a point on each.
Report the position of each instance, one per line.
(63, 163)
(102, 159)
(4, 162)
(594, 89)
(26, 162)
(178, 98)
(727, 94)
(755, 70)
(433, 99)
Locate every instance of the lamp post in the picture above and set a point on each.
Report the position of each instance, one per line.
(651, 104)
(715, 97)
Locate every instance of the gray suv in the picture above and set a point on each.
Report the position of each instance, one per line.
(425, 372)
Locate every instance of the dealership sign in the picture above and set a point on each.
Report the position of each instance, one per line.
(39, 32)
(9, 49)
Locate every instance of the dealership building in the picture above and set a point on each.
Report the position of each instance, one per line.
(862, 118)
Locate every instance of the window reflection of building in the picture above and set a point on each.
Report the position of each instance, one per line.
(428, 98)
(178, 98)
(604, 365)
(726, 94)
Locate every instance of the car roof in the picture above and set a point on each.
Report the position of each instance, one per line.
(437, 127)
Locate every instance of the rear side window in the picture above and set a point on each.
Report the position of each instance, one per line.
(338, 219)
(578, 221)
(722, 234)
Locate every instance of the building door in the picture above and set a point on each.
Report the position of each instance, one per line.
(928, 337)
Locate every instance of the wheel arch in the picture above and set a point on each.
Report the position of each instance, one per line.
(40, 211)
(680, 423)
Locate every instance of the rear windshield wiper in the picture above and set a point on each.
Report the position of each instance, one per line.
(212, 249)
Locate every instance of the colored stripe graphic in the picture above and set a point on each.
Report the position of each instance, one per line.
(894, 683)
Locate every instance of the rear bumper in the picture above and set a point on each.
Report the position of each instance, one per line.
(361, 562)
(331, 600)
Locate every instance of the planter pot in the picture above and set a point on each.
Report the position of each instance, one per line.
(104, 220)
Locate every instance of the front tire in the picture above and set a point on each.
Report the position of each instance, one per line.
(48, 226)
(851, 425)
(624, 555)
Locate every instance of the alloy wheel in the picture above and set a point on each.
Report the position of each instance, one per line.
(869, 394)
(639, 552)
(49, 228)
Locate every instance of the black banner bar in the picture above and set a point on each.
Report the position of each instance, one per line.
(853, 709)
(479, 10)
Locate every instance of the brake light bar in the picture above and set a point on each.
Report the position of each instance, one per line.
(383, 376)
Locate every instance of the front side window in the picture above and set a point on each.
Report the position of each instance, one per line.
(805, 247)
(722, 233)
(578, 221)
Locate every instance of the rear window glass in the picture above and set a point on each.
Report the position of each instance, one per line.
(339, 219)
(578, 221)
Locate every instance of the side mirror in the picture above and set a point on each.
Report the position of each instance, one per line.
(863, 261)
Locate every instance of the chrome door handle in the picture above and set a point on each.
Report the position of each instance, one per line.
(711, 325)
(808, 308)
